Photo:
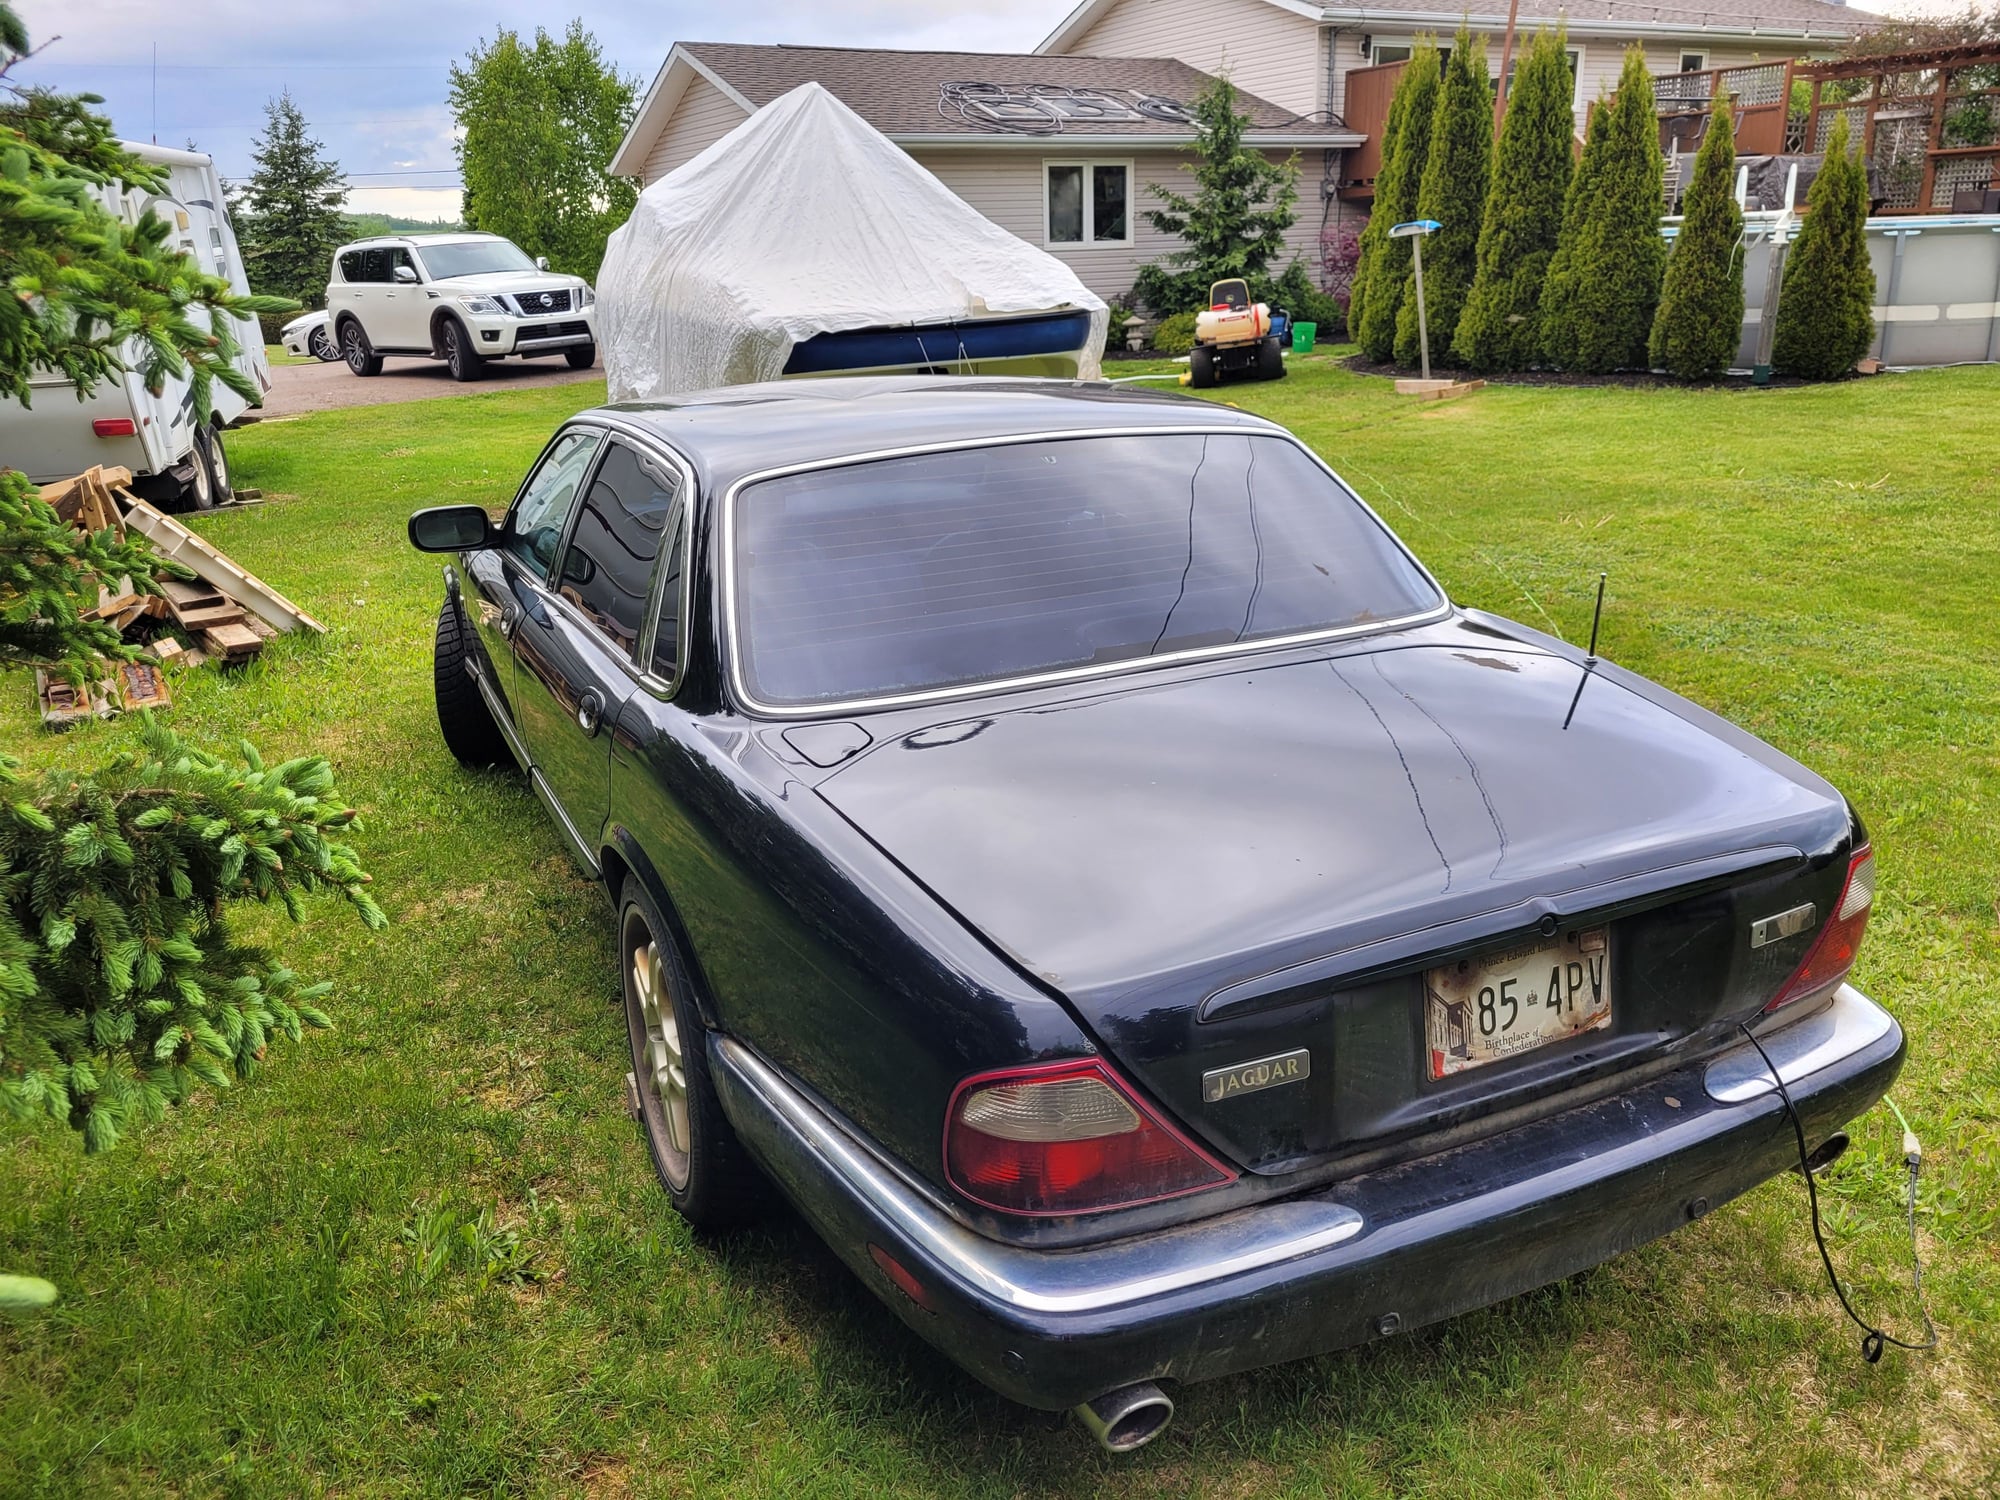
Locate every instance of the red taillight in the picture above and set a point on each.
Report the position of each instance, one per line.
(1066, 1138)
(1833, 951)
(114, 427)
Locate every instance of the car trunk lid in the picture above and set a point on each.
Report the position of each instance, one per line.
(1216, 868)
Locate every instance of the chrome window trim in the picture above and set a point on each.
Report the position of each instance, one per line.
(649, 442)
(726, 575)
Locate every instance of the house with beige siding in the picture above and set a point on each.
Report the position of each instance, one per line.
(1062, 151)
(1062, 145)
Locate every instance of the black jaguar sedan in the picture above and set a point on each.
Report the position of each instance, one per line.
(1065, 841)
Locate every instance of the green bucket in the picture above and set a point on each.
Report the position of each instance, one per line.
(1303, 335)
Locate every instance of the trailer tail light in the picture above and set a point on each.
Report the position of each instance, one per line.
(1066, 1138)
(1833, 952)
(114, 427)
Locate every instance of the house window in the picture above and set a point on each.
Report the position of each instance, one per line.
(1694, 62)
(1088, 202)
(1398, 49)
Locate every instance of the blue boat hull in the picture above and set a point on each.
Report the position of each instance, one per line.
(1042, 343)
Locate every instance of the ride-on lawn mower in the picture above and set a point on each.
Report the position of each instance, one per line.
(1236, 339)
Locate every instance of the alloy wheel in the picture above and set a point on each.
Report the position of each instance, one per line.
(351, 343)
(661, 1068)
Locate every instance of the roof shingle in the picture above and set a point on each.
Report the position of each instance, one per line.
(903, 93)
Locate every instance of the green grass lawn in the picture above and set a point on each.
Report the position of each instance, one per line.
(245, 1312)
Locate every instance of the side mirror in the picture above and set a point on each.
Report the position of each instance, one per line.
(541, 262)
(452, 528)
(406, 275)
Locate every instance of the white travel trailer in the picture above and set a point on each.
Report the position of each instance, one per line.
(174, 459)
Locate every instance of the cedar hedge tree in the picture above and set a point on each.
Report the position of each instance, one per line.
(120, 986)
(1403, 157)
(1233, 224)
(1453, 192)
(1700, 322)
(1374, 236)
(1501, 328)
(289, 218)
(1826, 318)
(1604, 283)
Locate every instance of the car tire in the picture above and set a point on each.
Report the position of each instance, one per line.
(1201, 367)
(709, 1177)
(470, 733)
(1271, 358)
(357, 351)
(208, 452)
(582, 358)
(322, 347)
(460, 357)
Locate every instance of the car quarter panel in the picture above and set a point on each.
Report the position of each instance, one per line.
(812, 947)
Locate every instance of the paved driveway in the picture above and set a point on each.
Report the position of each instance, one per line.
(320, 387)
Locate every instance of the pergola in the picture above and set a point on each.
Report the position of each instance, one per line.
(1928, 122)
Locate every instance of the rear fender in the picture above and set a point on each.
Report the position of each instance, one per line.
(623, 855)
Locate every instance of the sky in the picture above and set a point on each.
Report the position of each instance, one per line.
(370, 75)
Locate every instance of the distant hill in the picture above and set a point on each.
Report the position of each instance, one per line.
(361, 226)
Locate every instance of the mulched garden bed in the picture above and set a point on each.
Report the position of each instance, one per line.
(1625, 378)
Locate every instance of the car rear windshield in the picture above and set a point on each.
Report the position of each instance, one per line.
(905, 575)
(473, 258)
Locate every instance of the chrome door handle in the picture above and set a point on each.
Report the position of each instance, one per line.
(589, 711)
(510, 618)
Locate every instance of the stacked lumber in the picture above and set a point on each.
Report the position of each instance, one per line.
(226, 612)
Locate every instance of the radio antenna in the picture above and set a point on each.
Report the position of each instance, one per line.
(1596, 616)
(1590, 661)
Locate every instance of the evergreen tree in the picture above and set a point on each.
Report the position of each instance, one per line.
(1233, 225)
(1374, 237)
(1453, 192)
(289, 219)
(1604, 282)
(1700, 322)
(538, 124)
(1501, 328)
(1396, 184)
(1826, 318)
(120, 986)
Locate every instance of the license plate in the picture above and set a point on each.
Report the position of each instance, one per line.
(1499, 1005)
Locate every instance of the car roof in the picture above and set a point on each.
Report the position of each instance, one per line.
(441, 237)
(736, 431)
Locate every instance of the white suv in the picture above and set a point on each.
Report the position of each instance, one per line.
(461, 298)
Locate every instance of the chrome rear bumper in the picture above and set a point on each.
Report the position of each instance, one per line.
(1380, 1253)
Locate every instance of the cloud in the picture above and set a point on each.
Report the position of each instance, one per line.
(370, 75)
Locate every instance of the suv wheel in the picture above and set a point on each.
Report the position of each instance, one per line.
(709, 1177)
(582, 357)
(464, 361)
(467, 724)
(359, 353)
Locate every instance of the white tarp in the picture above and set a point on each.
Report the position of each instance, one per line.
(803, 220)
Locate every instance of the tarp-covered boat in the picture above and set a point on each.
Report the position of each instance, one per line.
(806, 242)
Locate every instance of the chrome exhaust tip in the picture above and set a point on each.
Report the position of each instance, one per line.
(1125, 1420)
(1827, 1152)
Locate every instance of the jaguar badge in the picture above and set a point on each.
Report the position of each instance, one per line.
(1264, 1073)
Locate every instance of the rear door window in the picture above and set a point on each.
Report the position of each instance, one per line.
(982, 564)
(535, 529)
(607, 568)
